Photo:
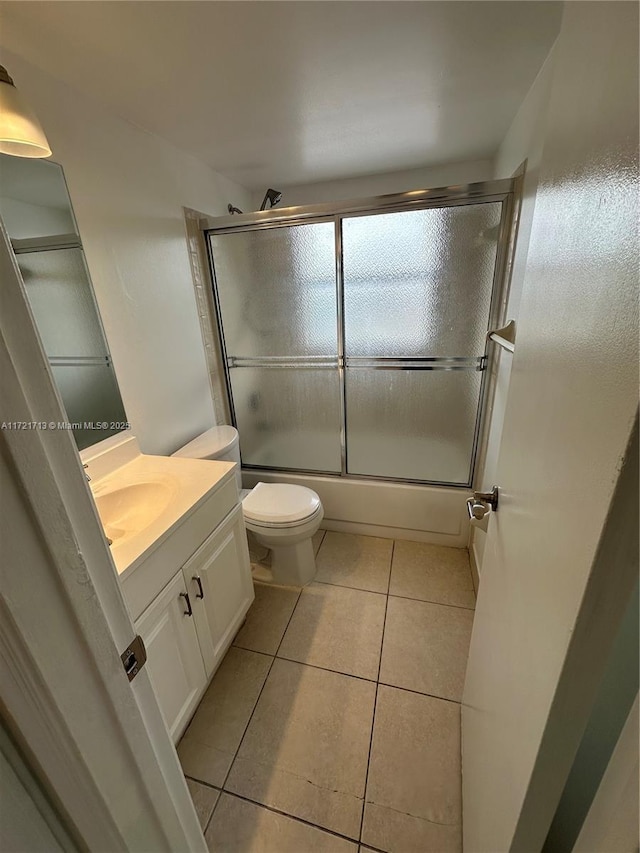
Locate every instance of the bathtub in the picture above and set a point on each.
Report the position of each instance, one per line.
(434, 514)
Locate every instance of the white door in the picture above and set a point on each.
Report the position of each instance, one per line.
(218, 576)
(555, 577)
(174, 660)
(94, 738)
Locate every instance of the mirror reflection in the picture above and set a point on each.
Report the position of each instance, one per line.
(37, 214)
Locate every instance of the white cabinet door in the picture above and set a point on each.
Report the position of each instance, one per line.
(174, 661)
(218, 577)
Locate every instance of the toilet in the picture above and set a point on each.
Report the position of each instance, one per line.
(281, 516)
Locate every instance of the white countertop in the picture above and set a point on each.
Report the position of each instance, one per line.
(183, 485)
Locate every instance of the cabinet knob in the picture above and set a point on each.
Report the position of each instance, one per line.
(199, 582)
(188, 611)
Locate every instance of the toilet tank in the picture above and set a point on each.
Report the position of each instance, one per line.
(220, 443)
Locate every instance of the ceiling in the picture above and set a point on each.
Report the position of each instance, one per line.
(280, 93)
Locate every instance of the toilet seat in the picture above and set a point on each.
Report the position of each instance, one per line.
(280, 505)
(252, 524)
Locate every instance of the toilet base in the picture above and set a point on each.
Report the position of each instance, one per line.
(293, 564)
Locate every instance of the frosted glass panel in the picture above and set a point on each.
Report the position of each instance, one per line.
(416, 425)
(419, 282)
(90, 395)
(288, 418)
(277, 290)
(60, 295)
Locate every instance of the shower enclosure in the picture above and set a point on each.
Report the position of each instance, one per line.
(354, 335)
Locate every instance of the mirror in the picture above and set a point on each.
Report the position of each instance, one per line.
(37, 214)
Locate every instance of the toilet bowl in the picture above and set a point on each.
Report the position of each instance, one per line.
(281, 516)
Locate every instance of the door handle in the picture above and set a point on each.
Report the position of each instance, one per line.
(188, 611)
(199, 582)
(483, 502)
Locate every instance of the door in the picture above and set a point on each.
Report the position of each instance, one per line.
(557, 573)
(218, 577)
(96, 740)
(276, 295)
(174, 660)
(418, 288)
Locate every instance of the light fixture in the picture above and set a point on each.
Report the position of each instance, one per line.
(20, 132)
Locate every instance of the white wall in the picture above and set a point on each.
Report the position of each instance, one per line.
(127, 189)
(524, 141)
(442, 175)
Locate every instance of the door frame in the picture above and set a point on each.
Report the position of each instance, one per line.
(97, 743)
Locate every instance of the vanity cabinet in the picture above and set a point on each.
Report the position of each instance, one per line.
(174, 661)
(219, 593)
(188, 627)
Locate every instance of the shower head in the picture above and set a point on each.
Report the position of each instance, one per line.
(233, 209)
(271, 196)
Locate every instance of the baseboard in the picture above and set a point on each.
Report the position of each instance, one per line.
(475, 573)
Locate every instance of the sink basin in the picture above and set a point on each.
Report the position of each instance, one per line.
(127, 510)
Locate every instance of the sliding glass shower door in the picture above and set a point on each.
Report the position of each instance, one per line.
(417, 297)
(355, 345)
(277, 300)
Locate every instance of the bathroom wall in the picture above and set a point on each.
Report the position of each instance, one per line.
(442, 175)
(128, 189)
(524, 141)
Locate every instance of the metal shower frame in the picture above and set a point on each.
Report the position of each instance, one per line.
(504, 191)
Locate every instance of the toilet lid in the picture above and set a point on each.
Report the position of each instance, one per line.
(280, 503)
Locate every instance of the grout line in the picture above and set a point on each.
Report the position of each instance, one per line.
(273, 809)
(200, 782)
(393, 550)
(213, 811)
(326, 669)
(430, 601)
(420, 693)
(253, 651)
(372, 847)
(394, 594)
(375, 701)
(345, 586)
(235, 755)
(246, 649)
(315, 555)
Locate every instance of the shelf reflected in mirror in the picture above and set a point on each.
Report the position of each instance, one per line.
(37, 214)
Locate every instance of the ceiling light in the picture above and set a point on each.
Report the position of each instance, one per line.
(20, 132)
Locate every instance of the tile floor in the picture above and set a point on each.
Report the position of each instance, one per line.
(333, 723)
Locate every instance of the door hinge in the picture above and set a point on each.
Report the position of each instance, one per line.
(134, 657)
